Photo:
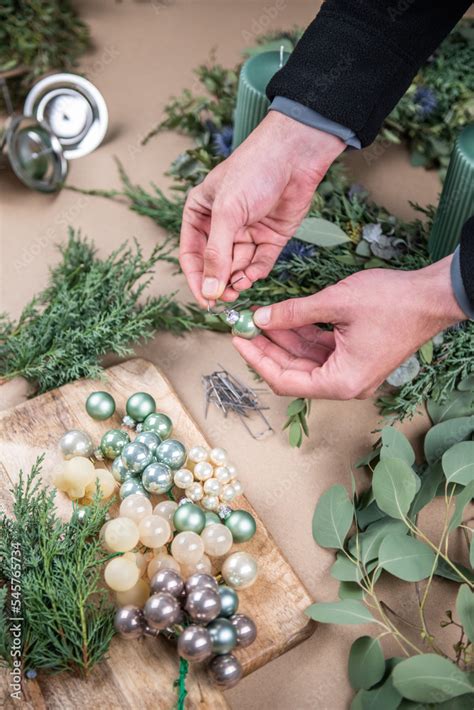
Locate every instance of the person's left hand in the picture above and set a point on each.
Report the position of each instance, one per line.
(379, 318)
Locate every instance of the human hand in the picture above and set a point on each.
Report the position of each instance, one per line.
(236, 222)
(380, 317)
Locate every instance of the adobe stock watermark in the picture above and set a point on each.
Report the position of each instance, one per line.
(261, 23)
(15, 619)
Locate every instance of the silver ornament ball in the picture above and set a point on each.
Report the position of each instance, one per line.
(245, 629)
(157, 478)
(150, 439)
(119, 471)
(225, 670)
(172, 453)
(203, 605)
(200, 580)
(136, 457)
(129, 622)
(76, 443)
(167, 580)
(194, 644)
(162, 610)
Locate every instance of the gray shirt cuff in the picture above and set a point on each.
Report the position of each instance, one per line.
(306, 115)
(458, 286)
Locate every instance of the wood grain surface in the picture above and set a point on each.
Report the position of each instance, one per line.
(141, 674)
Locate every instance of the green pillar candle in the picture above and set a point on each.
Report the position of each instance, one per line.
(456, 203)
(252, 103)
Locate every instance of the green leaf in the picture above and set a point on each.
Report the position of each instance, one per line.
(333, 517)
(345, 570)
(350, 590)
(430, 678)
(446, 571)
(426, 352)
(383, 697)
(344, 611)
(321, 232)
(430, 481)
(368, 458)
(369, 541)
(471, 552)
(467, 384)
(465, 610)
(458, 463)
(443, 435)
(296, 406)
(395, 445)
(457, 404)
(406, 558)
(370, 514)
(366, 662)
(295, 435)
(394, 485)
(466, 495)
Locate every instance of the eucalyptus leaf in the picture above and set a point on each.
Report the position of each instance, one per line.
(369, 515)
(321, 232)
(446, 571)
(394, 485)
(383, 697)
(346, 570)
(467, 384)
(465, 610)
(471, 552)
(350, 590)
(333, 517)
(465, 497)
(366, 662)
(395, 445)
(458, 463)
(457, 404)
(430, 678)
(406, 558)
(430, 481)
(445, 434)
(344, 611)
(295, 435)
(366, 547)
(368, 458)
(296, 406)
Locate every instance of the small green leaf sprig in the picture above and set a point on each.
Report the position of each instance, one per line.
(65, 614)
(297, 412)
(378, 532)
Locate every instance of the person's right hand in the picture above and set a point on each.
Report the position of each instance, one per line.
(237, 221)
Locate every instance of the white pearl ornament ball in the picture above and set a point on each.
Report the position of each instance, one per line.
(187, 548)
(210, 502)
(195, 491)
(222, 474)
(203, 470)
(136, 507)
(183, 478)
(240, 570)
(154, 531)
(197, 454)
(218, 456)
(217, 540)
(212, 487)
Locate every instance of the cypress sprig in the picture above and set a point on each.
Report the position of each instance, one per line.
(67, 618)
(90, 307)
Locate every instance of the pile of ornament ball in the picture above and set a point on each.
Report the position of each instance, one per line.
(182, 538)
(202, 615)
(208, 478)
(76, 475)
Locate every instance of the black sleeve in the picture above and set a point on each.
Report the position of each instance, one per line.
(467, 259)
(358, 57)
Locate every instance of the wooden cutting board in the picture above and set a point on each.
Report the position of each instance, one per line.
(141, 674)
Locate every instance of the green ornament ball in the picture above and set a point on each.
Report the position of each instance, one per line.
(119, 471)
(212, 518)
(157, 478)
(100, 405)
(159, 423)
(140, 405)
(131, 487)
(223, 636)
(189, 517)
(245, 326)
(242, 525)
(229, 600)
(113, 442)
(172, 453)
(150, 439)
